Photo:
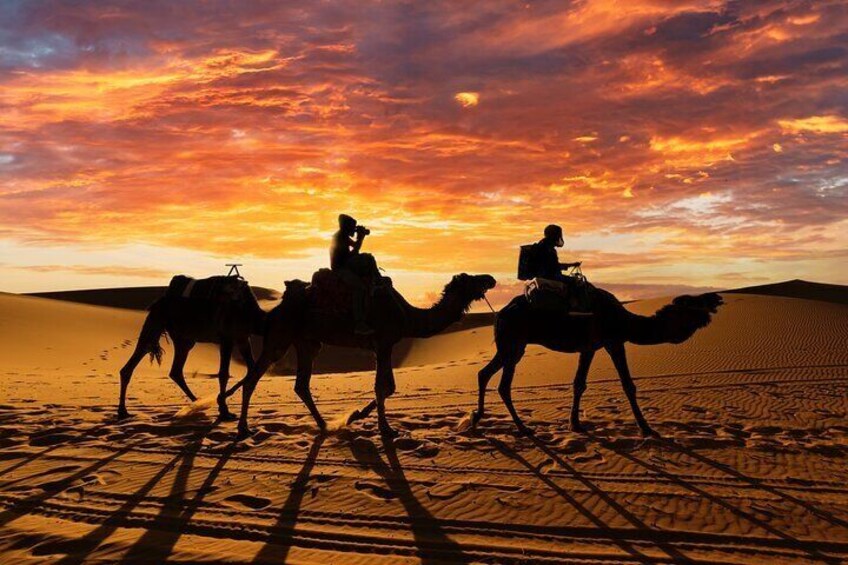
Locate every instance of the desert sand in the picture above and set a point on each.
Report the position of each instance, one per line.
(751, 467)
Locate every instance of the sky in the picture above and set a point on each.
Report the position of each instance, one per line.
(683, 146)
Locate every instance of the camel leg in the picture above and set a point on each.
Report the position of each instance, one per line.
(247, 354)
(483, 378)
(384, 387)
(505, 390)
(579, 388)
(619, 359)
(306, 353)
(224, 413)
(181, 349)
(148, 340)
(266, 359)
(126, 375)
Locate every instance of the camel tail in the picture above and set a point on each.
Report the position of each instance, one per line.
(153, 330)
(675, 322)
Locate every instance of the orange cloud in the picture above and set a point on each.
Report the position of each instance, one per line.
(244, 131)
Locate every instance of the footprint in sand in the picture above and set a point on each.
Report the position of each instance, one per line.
(407, 444)
(247, 502)
(374, 490)
(446, 491)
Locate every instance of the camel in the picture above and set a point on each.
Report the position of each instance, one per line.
(228, 316)
(610, 326)
(297, 321)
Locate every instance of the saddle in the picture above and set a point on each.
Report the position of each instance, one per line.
(571, 298)
(216, 290)
(329, 292)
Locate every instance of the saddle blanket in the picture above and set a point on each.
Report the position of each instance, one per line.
(215, 289)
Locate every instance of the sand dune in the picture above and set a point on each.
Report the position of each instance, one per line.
(752, 467)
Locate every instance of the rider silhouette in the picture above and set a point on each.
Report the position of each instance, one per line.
(354, 268)
(547, 260)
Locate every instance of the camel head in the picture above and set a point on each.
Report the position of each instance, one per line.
(468, 288)
(687, 314)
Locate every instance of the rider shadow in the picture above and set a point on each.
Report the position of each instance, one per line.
(281, 534)
(433, 544)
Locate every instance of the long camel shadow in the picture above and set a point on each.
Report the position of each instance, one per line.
(433, 544)
(613, 535)
(24, 462)
(786, 540)
(157, 543)
(22, 507)
(79, 550)
(758, 483)
(278, 545)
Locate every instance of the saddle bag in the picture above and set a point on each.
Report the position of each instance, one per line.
(528, 262)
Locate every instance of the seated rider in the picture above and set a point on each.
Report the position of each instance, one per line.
(357, 270)
(547, 260)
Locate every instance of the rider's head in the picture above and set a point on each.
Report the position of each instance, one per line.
(553, 234)
(347, 224)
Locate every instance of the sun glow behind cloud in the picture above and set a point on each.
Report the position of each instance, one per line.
(242, 130)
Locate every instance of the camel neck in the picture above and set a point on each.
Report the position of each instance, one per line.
(426, 322)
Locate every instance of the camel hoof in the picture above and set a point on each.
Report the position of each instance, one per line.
(649, 433)
(227, 416)
(525, 431)
(353, 416)
(123, 414)
(577, 428)
(244, 433)
(388, 431)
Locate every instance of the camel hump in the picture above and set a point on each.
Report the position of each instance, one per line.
(328, 291)
(217, 289)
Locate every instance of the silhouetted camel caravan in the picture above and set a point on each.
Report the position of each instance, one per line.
(219, 310)
(297, 321)
(610, 326)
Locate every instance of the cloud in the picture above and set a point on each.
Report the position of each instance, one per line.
(96, 270)
(243, 129)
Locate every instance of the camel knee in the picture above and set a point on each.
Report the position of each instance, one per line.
(483, 377)
(302, 391)
(382, 392)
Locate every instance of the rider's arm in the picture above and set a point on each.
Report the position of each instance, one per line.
(356, 244)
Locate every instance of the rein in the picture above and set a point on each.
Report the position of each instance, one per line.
(489, 304)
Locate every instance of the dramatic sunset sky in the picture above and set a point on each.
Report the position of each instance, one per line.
(682, 145)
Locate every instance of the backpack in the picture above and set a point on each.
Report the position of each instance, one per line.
(528, 262)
